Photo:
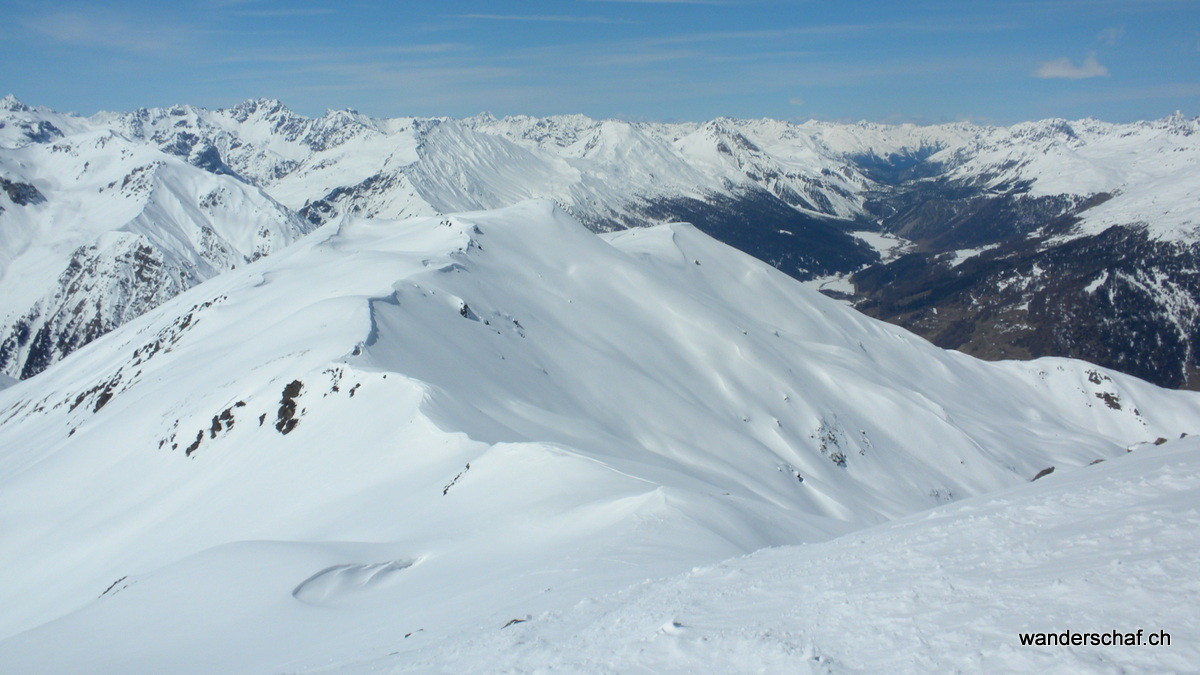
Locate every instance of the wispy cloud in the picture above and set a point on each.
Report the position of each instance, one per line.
(342, 55)
(668, 2)
(1106, 6)
(762, 56)
(1111, 35)
(948, 26)
(284, 13)
(856, 74)
(1065, 69)
(643, 58)
(95, 30)
(1171, 90)
(428, 86)
(432, 48)
(552, 18)
(796, 100)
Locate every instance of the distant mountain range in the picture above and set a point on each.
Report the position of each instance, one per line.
(1045, 238)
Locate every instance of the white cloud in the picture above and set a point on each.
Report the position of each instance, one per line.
(796, 100)
(1065, 69)
(1111, 35)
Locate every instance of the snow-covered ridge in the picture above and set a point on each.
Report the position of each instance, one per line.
(436, 426)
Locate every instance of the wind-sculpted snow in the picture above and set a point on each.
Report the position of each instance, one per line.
(392, 435)
(342, 583)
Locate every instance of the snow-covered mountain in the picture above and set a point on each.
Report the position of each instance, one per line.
(1043, 238)
(605, 169)
(609, 172)
(392, 436)
(1072, 238)
(787, 206)
(97, 228)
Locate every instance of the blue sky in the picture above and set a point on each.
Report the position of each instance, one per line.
(888, 61)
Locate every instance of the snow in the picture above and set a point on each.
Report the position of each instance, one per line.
(839, 283)
(121, 226)
(609, 173)
(501, 415)
(887, 245)
(607, 169)
(962, 255)
(1096, 283)
(1150, 169)
(1102, 548)
(379, 447)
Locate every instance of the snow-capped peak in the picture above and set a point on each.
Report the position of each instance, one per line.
(261, 107)
(10, 102)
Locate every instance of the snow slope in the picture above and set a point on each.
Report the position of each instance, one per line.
(391, 435)
(1102, 548)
